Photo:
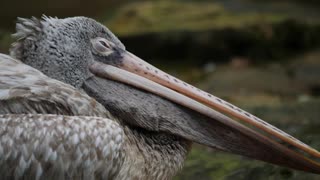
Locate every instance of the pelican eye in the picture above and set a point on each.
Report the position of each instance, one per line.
(103, 43)
(102, 46)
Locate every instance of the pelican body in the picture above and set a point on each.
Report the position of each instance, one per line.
(75, 104)
(92, 145)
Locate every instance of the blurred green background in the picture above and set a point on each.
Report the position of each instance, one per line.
(261, 55)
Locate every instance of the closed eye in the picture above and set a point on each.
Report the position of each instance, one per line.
(102, 46)
(105, 44)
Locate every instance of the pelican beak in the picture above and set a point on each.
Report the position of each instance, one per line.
(134, 71)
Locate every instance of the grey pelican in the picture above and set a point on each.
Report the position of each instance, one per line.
(75, 104)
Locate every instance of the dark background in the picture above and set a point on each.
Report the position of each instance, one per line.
(260, 55)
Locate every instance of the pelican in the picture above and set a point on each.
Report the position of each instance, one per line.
(75, 104)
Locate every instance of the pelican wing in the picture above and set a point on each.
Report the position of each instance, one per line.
(26, 90)
(43, 146)
(59, 147)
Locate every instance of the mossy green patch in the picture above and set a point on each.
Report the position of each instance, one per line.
(5, 41)
(159, 16)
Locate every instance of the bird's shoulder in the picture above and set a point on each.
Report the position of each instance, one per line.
(24, 89)
(38, 138)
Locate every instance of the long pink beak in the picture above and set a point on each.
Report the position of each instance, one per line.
(138, 73)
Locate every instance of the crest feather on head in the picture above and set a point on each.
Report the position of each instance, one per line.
(26, 29)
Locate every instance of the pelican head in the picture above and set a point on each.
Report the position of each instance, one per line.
(64, 49)
(85, 54)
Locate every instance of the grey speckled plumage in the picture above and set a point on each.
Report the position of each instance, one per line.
(59, 147)
(84, 145)
(71, 135)
(23, 87)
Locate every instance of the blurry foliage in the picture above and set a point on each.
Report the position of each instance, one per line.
(258, 43)
(11, 9)
(304, 2)
(206, 31)
(196, 32)
(160, 16)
